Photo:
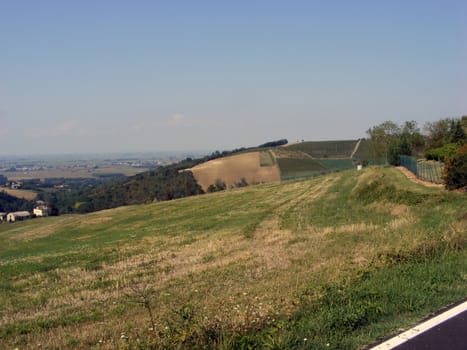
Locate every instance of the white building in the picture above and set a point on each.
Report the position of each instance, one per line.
(15, 185)
(41, 210)
(2, 217)
(18, 216)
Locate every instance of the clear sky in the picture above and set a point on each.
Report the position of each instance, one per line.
(103, 76)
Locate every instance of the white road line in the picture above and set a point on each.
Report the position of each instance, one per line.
(422, 327)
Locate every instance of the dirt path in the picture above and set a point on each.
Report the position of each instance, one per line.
(355, 148)
(411, 176)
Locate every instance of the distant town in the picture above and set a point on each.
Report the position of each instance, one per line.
(17, 168)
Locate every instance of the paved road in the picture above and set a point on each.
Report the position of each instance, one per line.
(449, 335)
(447, 330)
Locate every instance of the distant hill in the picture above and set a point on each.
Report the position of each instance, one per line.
(300, 160)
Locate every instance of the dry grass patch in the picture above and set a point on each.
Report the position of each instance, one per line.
(357, 227)
(232, 169)
(40, 228)
(34, 233)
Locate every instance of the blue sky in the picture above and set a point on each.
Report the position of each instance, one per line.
(112, 76)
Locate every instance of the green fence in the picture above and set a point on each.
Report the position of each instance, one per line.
(425, 170)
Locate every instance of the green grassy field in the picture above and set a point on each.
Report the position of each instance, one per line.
(299, 168)
(334, 262)
(337, 164)
(293, 168)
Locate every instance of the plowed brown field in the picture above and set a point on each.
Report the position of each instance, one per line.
(232, 169)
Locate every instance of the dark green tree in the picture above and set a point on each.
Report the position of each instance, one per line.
(412, 135)
(456, 132)
(399, 146)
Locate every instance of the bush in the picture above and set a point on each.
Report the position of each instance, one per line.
(218, 186)
(455, 170)
(442, 153)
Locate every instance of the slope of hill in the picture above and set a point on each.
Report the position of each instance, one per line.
(12, 203)
(253, 167)
(289, 162)
(333, 262)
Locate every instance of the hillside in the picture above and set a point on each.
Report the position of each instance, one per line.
(289, 162)
(253, 167)
(12, 203)
(333, 262)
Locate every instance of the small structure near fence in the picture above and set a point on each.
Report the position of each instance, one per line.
(431, 171)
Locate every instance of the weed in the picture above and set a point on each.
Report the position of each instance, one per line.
(143, 296)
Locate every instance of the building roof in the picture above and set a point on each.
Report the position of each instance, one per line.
(21, 213)
(41, 207)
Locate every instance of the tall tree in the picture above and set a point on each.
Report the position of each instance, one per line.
(381, 137)
(456, 132)
(412, 136)
(439, 133)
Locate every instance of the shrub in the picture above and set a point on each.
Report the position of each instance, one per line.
(219, 185)
(455, 170)
(442, 153)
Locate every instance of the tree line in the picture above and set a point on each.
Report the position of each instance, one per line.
(10, 203)
(443, 140)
